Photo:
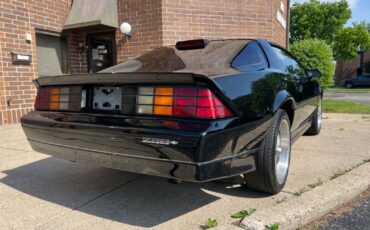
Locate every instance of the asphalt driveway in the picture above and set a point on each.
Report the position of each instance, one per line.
(357, 97)
(38, 191)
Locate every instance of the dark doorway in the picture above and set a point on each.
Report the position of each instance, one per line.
(101, 52)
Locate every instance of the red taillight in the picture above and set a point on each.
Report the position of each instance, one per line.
(192, 102)
(185, 91)
(185, 101)
(192, 44)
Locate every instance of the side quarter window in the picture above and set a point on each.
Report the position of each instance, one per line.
(290, 65)
(251, 58)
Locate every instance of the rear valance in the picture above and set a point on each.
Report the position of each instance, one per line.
(86, 13)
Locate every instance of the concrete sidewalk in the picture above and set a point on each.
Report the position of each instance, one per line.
(38, 191)
(356, 97)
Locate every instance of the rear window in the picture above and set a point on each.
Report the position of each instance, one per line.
(215, 59)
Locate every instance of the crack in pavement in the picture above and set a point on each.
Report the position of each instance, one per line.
(88, 202)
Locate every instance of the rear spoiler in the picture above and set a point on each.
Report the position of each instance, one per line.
(120, 78)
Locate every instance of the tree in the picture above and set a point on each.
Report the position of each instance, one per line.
(315, 54)
(315, 20)
(364, 23)
(349, 40)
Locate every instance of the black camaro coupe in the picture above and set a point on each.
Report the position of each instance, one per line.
(197, 111)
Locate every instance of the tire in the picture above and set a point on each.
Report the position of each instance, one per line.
(268, 177)
(316, 121)
(349, 85)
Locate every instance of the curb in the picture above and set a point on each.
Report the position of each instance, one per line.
(311, 205)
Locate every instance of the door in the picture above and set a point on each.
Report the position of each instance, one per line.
(363, 80)
(101, 52)
(367, 79)
(305, 88)
(359, 81)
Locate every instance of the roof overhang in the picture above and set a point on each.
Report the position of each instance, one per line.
(88, 13)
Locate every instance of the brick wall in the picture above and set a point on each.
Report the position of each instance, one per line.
(218, 19)
(348, 69)
(279, 31)
(146, 21)
(77, 58)
(18, 17)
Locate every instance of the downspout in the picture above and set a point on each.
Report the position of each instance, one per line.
(288, 25)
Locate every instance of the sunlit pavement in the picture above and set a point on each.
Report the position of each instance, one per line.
(38, 191)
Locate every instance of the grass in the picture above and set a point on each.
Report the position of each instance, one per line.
(345, 90)
(334, 106)
(341, 172)
(211, 223)
(309, 187)
(316, 184)
(274, 226)
(282, 200)
(243, 213)
(301, 191)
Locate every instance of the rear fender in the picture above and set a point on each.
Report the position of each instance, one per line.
(281, 98)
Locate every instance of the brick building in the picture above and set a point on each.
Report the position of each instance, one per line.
(348, 69)
(46, 37)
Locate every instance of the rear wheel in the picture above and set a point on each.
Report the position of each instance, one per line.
(316, 120)
(272, 162)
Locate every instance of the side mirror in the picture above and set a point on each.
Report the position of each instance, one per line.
(313, 73)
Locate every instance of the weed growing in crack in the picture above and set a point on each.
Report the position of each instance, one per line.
(243, 213)
(316, 184)
(211, 223)
(341, 172)
(274, 226)
(301, 191)
(282, 200)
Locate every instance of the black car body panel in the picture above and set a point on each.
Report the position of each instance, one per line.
(203, 151)
(182, 148)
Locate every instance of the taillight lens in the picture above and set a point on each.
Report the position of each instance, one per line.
(59, 98)
(182, 101)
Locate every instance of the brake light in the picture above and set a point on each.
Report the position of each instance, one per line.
(196, 102)
(192, 44)
(59, 98)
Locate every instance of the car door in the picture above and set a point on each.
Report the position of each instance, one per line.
(367, 80)
(306, 89)
(359, 81)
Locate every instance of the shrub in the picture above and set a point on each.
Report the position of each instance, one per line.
(315, 54)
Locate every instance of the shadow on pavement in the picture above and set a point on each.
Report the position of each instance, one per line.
(128, 198)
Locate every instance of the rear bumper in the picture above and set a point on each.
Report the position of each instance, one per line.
(196, 172)
(199, 155)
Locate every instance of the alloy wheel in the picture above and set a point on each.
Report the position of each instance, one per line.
(319, 114)
(282, 152)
